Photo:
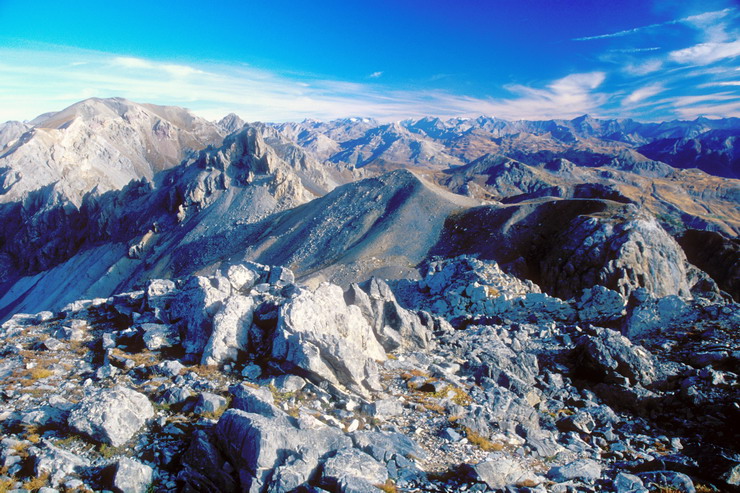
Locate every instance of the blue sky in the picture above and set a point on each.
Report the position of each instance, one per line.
(389, 59)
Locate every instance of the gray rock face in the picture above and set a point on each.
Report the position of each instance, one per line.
(59, 463)
(230, 331)
(241, 277)
(608, 354)
(385, 446)
(158, 336)
(395, 327)
(622, 253)
(628, 483)
(205, 468)
(103, 144)
(498, 471)
(351, 469)
(209, 403)
(649, 315)
(668, 479)
(203, 292)
(132, 476)
(322, 336)
(111, 416)
(255, 400)
(584, 469)
(600, 305)
(256, 444)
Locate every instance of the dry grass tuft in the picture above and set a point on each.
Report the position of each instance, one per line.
(6, 484)
(37, 483)
(388, 487)
(482, 442)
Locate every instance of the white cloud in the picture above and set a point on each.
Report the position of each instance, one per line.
(643, 68)
(625, 32)
(728, 83)
(213, 90)
(717, 110)
(706, 53)
(642, 94)
(142, 64)
(706, 21)
(375, 75)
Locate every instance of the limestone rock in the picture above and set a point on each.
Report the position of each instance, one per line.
(199, 299)
(111, 416)
(59, 463)
(584, 469)
(209, 403)
(132, 476)
(623, 252)
(668, 479)
(600, 305)
(499, 471)
(158, 336)
(395, 327)
(256, 444)
(351, 468)
(241, 277)
(256, 400)
(607, 354)
(327, 339)
(230, 331)
(384, 446)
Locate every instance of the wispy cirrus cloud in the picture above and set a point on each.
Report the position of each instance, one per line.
(643, 67)
(706, 53)
(643, 93)
(36, 81)
(170, 68)
(703, 20)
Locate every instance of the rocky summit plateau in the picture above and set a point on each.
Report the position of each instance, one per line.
(353, 306)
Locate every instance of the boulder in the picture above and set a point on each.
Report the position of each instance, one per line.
(628, 483)
(132, 476)
(256, 445)
(242, 278)
(158, 295)
(583, 469)
(351, 469)
(605, 355)
(208, 403)
(199, 299)
(600, 305)
(111, 416)
(647, 314)
(256, 400)
(675, 481)
(320, 336)
(281, 276)
(499, 471)
(158, 336)
(384, 446)
(395, 327)
(58, 463)
(230, 331)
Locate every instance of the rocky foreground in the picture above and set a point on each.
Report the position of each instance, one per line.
(466, 380)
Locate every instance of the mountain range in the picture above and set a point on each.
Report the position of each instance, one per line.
(356, 306)
(126, 191)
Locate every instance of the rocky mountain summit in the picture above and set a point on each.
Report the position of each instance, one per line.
(348, 306)
(465, 380)
(96, 144)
